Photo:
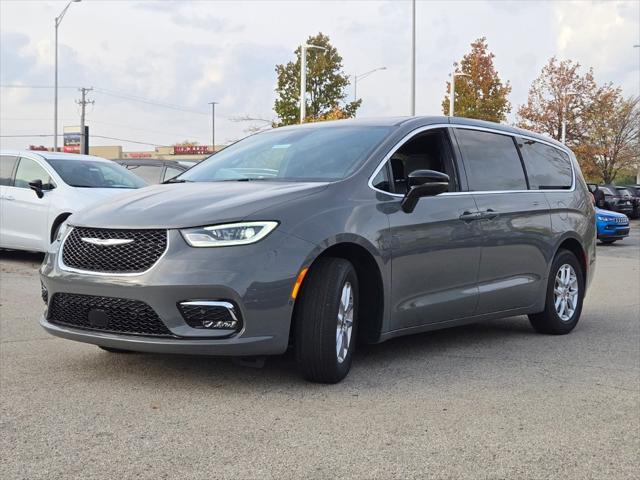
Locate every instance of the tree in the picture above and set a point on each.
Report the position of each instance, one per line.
(326, 85)
(560, 93)
(482, 94)
(601, 125)
(611, 145)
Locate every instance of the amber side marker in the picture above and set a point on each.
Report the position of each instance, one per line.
(298, 284)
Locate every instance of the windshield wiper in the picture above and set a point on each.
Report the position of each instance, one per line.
(176, 180)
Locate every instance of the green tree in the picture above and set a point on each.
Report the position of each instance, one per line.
(481, 94)
(326, 86)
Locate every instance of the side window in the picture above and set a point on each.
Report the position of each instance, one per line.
(6, 169)
(429, 150)
(29, 171)
(491, 161)
(149, 173)
(170, 173)
(547, 167)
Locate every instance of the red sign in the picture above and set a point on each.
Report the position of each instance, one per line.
(39, 148)
(191, 149)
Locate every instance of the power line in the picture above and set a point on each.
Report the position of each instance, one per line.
(43, 135)
(125, 96)
(136, 98)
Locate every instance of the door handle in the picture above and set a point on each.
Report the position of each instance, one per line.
(489, 214)
(7, 197)
(470, 216)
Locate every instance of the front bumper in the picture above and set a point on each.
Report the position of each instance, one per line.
(256, 278)
(613, 231)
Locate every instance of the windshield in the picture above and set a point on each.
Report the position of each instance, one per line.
(623, 192)
(95, 174)
(305, 154)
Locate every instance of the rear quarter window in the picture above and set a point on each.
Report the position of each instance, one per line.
(547, 167)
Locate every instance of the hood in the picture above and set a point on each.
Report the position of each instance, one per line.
(181, 205)
(609, 213)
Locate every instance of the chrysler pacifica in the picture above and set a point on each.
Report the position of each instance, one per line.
(320, 236)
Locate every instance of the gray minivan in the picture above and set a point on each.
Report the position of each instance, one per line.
(319, 236)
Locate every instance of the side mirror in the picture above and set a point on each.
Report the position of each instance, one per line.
(38, 187)
(423, 183)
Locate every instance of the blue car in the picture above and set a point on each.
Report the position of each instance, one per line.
(611, 226)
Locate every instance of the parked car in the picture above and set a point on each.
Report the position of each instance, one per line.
(611, 226)
(157, 171)
(40, 190)
(634, 190)
(614, 199)
(366, 229)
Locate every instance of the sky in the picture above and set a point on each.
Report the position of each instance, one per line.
(183, 55)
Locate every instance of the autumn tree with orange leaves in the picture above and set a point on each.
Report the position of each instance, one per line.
(601, 125)
(481, 94)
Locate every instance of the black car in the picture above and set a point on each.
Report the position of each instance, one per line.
(634, 190)
(616, 199)
(157, 171)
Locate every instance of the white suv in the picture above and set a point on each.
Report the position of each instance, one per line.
(40, 190)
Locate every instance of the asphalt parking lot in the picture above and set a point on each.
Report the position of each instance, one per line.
(493, 400)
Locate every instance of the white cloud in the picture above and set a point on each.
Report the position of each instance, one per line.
(190, 53)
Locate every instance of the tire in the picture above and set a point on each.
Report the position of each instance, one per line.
(317, 321)
(549, 321)
(114, 350)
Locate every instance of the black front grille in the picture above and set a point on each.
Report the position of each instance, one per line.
(106, 314)
(209, 316)
(138, 255)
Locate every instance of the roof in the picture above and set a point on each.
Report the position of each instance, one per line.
(52, 155)
(429, 120)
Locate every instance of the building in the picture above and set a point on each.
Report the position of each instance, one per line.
(177, 152)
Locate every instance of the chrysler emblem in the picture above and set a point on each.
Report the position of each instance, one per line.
(106, 242)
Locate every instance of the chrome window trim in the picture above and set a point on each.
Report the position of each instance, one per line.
(66, 268)
(419, 130)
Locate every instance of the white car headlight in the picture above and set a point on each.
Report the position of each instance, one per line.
(228, 234)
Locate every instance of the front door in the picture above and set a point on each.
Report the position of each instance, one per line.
(436, 248)
(25, 216)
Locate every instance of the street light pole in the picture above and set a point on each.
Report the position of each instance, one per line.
(213, 125)
(413, 58)
(357, 77)
(638, 148)
(58, 21)
(303, 78)
(452, 89)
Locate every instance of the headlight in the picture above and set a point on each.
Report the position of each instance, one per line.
(228, 234)
(603, 219)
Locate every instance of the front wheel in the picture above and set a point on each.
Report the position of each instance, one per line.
(565, 293)
(327, 320)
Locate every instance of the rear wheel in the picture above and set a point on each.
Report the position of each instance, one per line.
(326, 321)
(565, 293)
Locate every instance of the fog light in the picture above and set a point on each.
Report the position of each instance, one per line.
(44, 292)
(210, 315)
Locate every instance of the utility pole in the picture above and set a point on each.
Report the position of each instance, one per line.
(213, 126)
(83, 102)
